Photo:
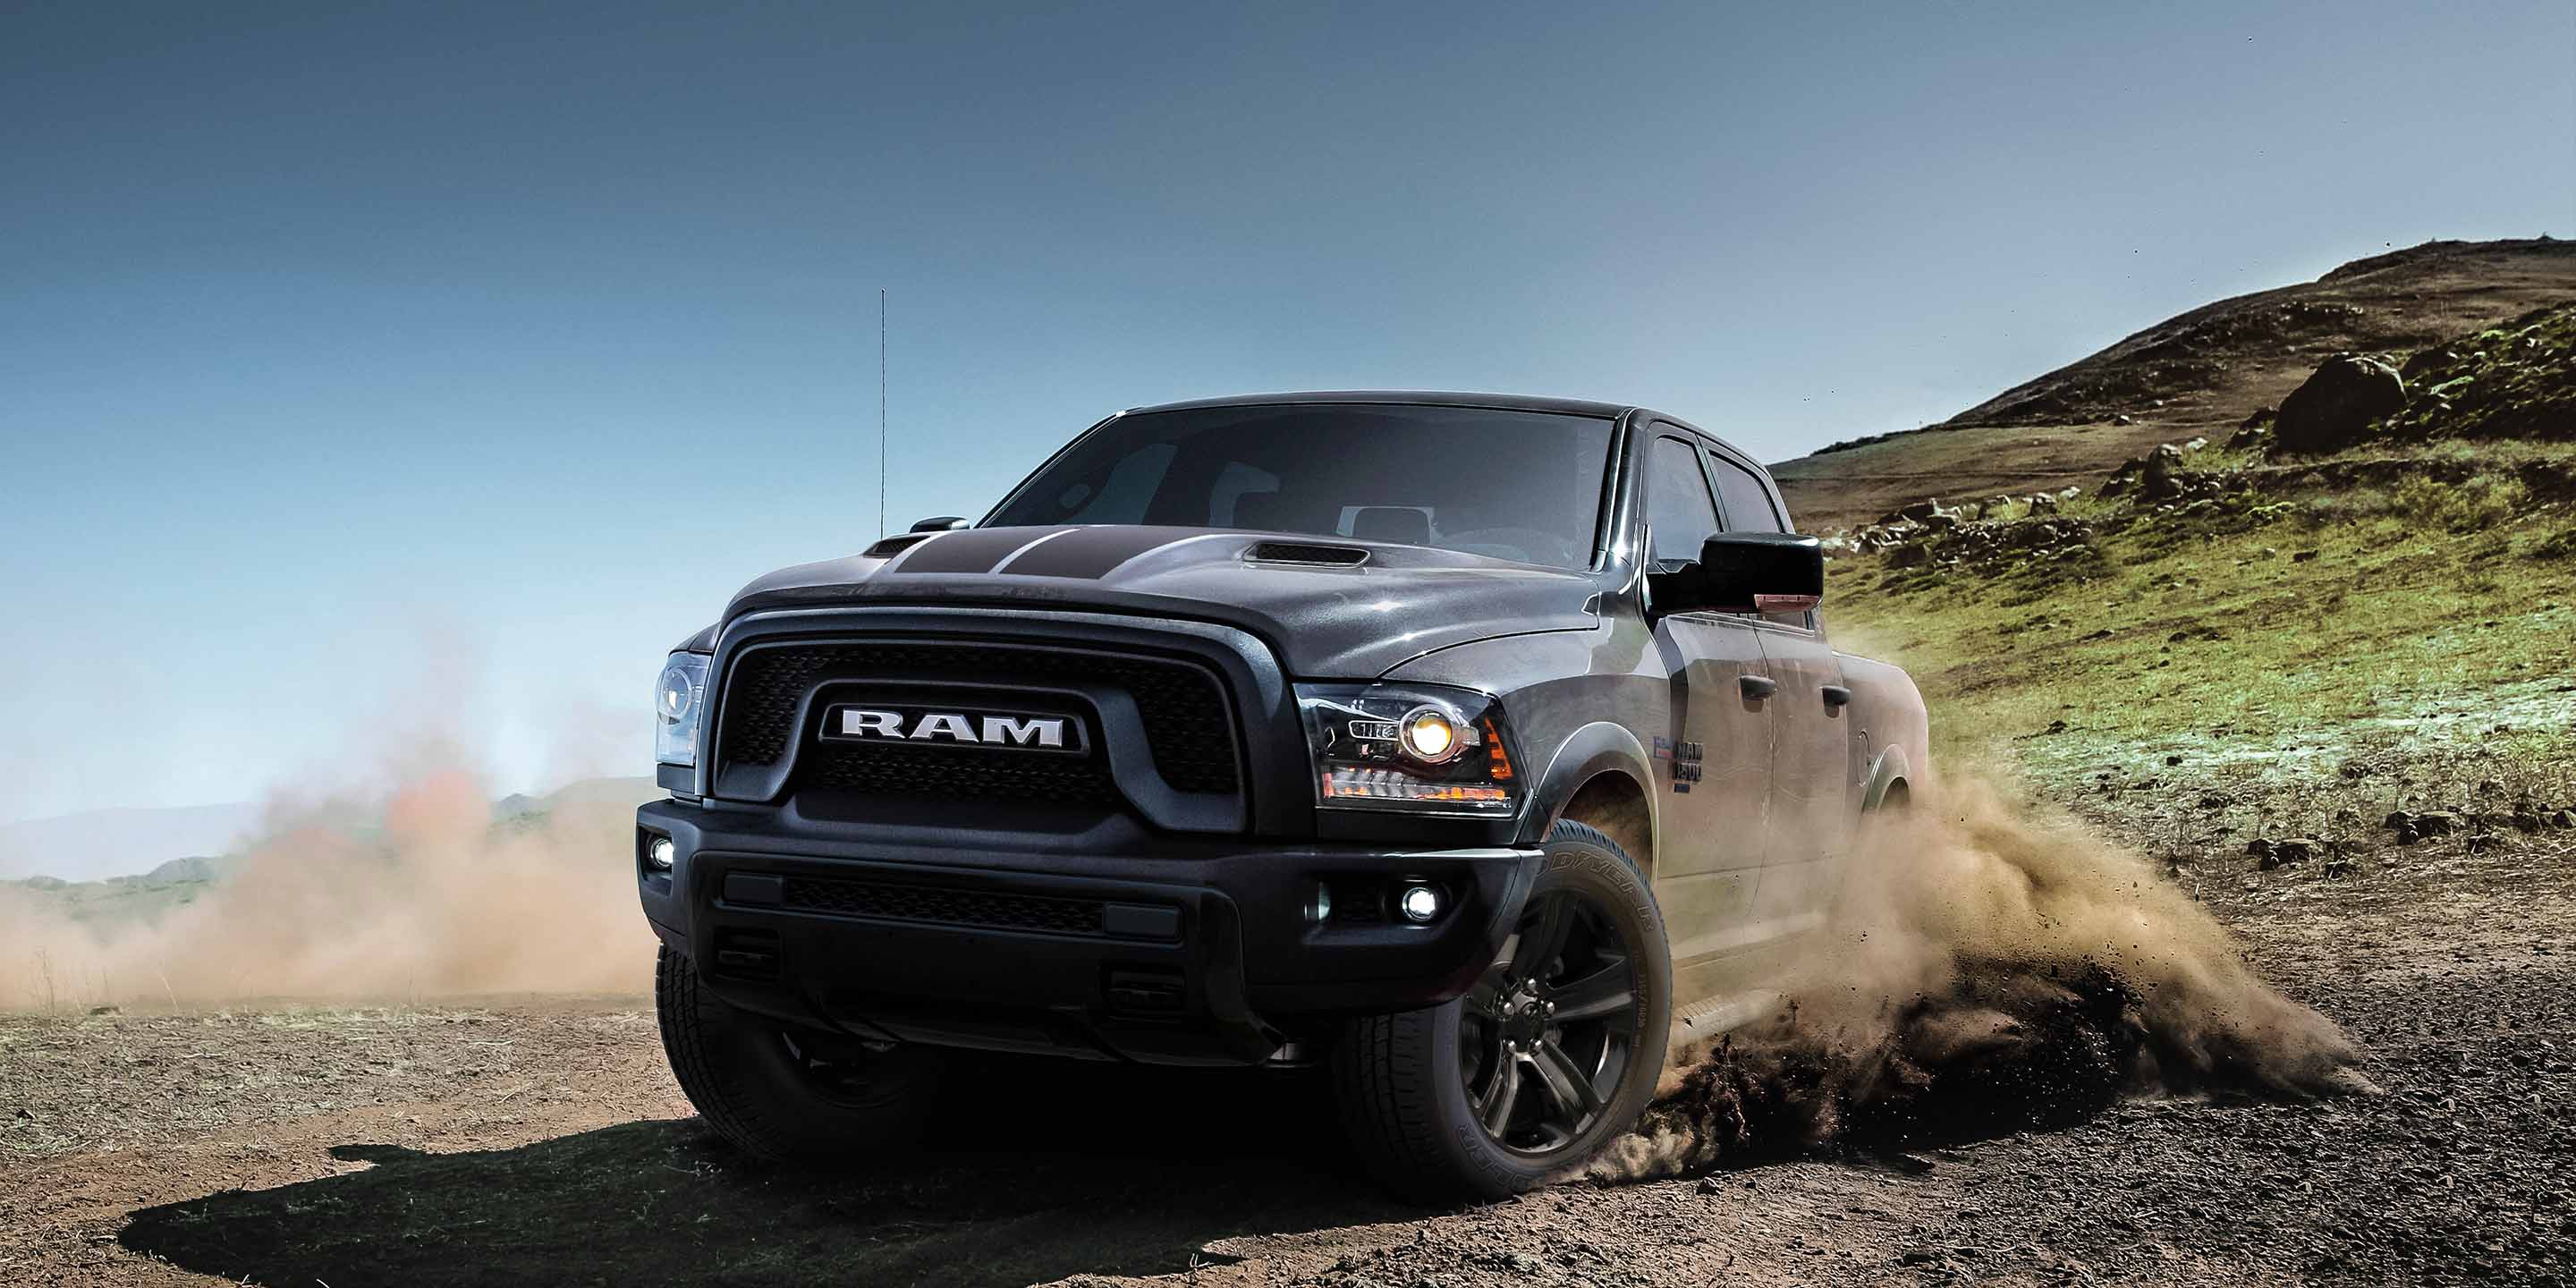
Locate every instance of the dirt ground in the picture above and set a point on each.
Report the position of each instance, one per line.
(541, 1141)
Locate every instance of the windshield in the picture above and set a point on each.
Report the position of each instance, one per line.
(1516, 485)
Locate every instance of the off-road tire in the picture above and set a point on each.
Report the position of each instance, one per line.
(742, 1073)
(1398, 1080)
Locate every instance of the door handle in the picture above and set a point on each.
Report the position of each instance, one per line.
(1757, 687)
(1837, 696)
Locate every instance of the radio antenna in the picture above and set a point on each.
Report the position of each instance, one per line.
(881, 413)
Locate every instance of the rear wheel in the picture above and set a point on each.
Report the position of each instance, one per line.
(782, 1092)
(1552, 1054)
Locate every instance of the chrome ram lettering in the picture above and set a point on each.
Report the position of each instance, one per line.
(1043, 732)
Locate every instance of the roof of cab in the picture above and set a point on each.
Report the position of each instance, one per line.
(1406, 397)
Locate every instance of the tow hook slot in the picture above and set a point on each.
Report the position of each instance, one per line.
(747, 954)
(1146, 992)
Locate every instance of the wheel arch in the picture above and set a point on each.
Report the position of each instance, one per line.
(1600, 776)
(1889, 774)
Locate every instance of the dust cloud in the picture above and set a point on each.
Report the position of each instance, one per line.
(1990, 964)
(419, 892)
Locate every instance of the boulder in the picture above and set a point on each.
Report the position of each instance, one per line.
(1920, 510)
(2440, 822)
(2337, 405)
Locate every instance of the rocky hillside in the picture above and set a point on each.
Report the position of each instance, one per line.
(2197, 375)
(2372, 586)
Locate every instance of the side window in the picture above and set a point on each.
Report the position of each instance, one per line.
(1747, 504)
(1677, 501)
(1749, 509)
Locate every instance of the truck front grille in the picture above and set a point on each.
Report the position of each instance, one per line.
(1181, 704)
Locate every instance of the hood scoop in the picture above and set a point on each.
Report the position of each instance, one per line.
(1306, 554)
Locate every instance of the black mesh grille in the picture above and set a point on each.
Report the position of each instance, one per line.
(958, 773)
(1181, 704)
(948, 907)
(1298, 553)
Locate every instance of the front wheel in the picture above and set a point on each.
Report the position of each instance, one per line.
(1552, 1054)
(786, 1093)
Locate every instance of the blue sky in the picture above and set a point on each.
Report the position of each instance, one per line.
(375, 371)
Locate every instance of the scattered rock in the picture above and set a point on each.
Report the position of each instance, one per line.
(2296, 849)
(2565, 818)
(2440, 822)
(2481, 842)
(2337, 405)
(2171, 761)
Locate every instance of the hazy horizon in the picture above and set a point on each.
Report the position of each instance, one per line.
(394, 385)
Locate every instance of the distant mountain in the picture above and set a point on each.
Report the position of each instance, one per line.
(95, 844)
(621, 793)
(2197, 375)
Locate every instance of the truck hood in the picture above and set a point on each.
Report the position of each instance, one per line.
(1324, 622)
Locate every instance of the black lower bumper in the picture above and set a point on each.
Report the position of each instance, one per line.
(1211, 954)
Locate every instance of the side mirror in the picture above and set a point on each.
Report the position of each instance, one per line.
(1746, 572)
(944, 523)
(1761, 572)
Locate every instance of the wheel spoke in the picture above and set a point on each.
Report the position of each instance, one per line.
(1498, 1098)
(1602, 993)
(1544, 938)
(1569, 1086)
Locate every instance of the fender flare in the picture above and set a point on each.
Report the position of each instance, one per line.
(1888, 768)
(1590, 751)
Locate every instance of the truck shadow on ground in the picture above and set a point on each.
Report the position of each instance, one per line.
(1044, 1172)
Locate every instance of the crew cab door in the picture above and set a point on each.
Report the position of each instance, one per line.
(1714, 764)
(1811, 819)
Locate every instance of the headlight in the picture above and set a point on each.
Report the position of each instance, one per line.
(1417, 748)
(677, 701)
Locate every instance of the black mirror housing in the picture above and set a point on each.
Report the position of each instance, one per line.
(944, 523)
(1761, 572)
(1747, 572)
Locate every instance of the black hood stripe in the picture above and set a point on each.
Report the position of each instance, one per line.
(970, 550)
(1090, 553)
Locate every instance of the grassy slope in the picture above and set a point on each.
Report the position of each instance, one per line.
(2389, 634)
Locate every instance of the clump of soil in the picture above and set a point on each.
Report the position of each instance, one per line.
(2014, 1045)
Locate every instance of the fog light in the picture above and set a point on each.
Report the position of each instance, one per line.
(660, 853)
(1419, 903)
(1320, 908)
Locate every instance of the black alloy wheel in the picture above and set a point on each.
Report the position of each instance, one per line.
(1547, 1033)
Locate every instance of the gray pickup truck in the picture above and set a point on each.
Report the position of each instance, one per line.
(1475, 748)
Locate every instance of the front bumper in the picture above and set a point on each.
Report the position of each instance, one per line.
(1203, 953)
